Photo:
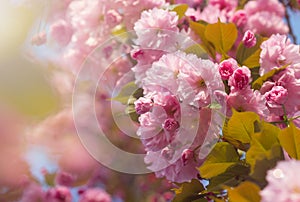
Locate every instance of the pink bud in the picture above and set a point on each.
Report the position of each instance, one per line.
(171, 105)
(276, 96)
(143, 105)
(249, 39)
(240, 78)
(239, 18)
(137, 53)
(39, 39)
(227, 67)
(167, 153)
(186, 156)
(59, 194)
(171, 125)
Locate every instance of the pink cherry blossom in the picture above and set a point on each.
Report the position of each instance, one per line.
(240, 78)
(151, 129)
(247, 100)
(283, 183)
(94, 195)
(224, 4)
(239, 18)
(276, 52)
(143, 105)
(266, 24)
(227, 67)
(283, 89)
(272, 6)
(153, 28)
(61, 32)
(249, 39)
(64, 179)
(58, 194)
(276, 97)
(33, 192)
(113, 17)
(212, 13)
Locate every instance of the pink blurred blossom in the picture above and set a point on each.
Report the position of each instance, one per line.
(283, 183)
(61, 32)
(224, 4)
(239, 18)
(39, 39)
(272, 6)
(94, 195)
(58, 194)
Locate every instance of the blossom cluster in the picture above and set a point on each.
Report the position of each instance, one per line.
(193, 65)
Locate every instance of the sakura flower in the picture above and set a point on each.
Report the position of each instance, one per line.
(224, 4)
(180, 86)
(212, 13)
(143, 105)
(61, 32)
(284, 89)
(276, 52)
(154, 27)
(240, 78)
(59, 194)
(247, 100)
(227, 67)
(64, 179)
(265, 20)
(249, 39)
(156, 129)
(94, 195)
(273, 6)
(283, 183)
(266, 24)
(276, 97)
(33, 192)
(113, 17)
(239, 18)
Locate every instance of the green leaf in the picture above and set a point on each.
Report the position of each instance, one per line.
(49, 179)
(264, 152)
(180, 9)
(245, 192)
(222, 156)
(197, 50)
(231, 177)
(239, 128)
(125, 92)
(221, 35)
(259, 82)
(263, 164)
(214, 105)
(199, 29)
(188, 191)
(250, 56)
(290, 140)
